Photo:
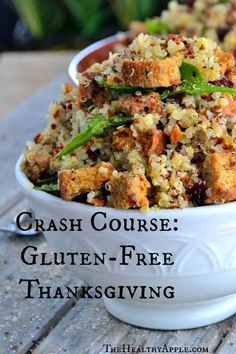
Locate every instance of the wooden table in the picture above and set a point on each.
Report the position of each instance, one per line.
(62, 325)
(22, 73)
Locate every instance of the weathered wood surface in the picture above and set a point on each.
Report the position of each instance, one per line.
(24, 321)
(228, 344)
(88, 326)
(22, 73)
(57, 326)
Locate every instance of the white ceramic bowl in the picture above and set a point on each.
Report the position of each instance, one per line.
(203, 248)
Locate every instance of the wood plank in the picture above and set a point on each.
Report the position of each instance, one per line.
(23, 72)
(88, 326)
(16, 128)
(228, 345)
(24, 321)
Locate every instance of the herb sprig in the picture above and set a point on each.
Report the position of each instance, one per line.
(96, 127)
(154, 25)
(51, 188)
(48, 180)
(192, 83)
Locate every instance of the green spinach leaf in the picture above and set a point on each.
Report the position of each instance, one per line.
(96, 127)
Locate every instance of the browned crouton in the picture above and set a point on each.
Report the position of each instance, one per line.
(231, 74)
(90, 90)
(219, 171)
(226, 61)
(151, 73)
(84, 180)
(147, 103)
(123, 139)
(129, 190)
(152, 142)
(86, 82)
(35, 164)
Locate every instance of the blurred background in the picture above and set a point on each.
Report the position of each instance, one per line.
(67, 24)
(38, 38)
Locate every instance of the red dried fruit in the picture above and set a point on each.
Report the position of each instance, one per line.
(223, 82)
(197, 192)
(37, 138)
(93, 155)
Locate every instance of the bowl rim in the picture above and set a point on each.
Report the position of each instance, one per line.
(72, 68)
(26, 185)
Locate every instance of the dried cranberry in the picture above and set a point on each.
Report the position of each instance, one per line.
(56, 114)
(69, 106)
(188, 50)
(171, 36)
(222, 82)
(190, 3)
(222, 32)
(53, 126)
(196, 192)
(93, 155)
(37, 138)
(57, 149)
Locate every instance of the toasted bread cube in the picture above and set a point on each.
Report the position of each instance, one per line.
(36, 164)
(152, 142)
(151, 73)
(226, 60)
(123, 139)
(73, 183)
(89, 90)
(86, 85)
(129, 190)
(147, 103)
(219, 171)
(231, 74)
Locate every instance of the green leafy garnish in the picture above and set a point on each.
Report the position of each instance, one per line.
(194, 84)
(96, 127)
(154, 25)
(51, 188)
(130, 89)
(48, 180)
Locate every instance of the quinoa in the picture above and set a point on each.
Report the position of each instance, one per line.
(192, 127)
(213, 19)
